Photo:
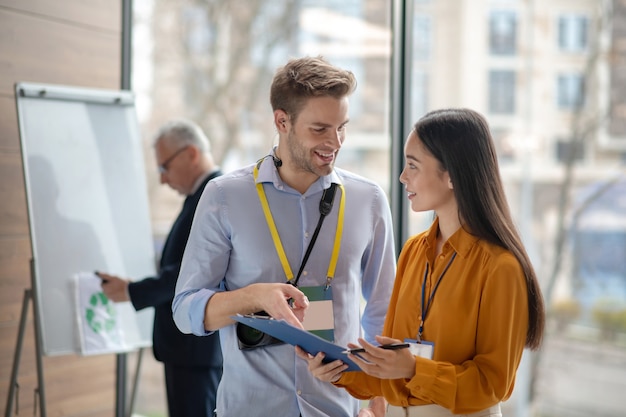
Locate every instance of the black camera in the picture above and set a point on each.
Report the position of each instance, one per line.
(251, 338)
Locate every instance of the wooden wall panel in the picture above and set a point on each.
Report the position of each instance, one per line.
(15, 256)
(70, 42)
(27, 376)
(102, 14)
(9, 136)
(13, 211)
(56, 52)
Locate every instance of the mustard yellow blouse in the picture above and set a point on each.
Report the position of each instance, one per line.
(477, 320)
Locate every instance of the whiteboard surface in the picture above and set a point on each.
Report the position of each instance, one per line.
(87, 201)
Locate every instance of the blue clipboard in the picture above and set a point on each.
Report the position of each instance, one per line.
(287, 333)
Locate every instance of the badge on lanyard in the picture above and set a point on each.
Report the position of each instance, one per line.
(423, 349)
(319, 318)
(420, 347)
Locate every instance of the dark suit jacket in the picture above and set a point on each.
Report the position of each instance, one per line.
(169, 344)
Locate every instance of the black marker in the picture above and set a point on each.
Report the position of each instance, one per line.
(98, 275)
(387, 347)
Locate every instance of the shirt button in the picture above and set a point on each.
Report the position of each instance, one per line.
(305, 273)
(299, 392)
(306, 234)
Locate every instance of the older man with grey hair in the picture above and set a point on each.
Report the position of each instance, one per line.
(193, 365)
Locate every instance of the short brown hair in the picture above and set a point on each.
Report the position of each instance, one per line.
(303, 78)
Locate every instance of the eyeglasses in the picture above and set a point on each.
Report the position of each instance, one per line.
(164, 166)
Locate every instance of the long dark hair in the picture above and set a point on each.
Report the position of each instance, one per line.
(461, 141)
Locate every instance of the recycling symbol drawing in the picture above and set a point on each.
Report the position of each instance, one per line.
(100, 314)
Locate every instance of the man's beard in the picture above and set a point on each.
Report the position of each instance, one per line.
(302, 159)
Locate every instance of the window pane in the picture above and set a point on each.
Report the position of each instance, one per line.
(572, 33)
(502, 92)
(422, 33)
(213, 62)
(419, 93)
(523, 65)
(502, 32)
(571, 91)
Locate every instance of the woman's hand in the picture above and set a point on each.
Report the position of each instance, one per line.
(384, 363)
(327, 372)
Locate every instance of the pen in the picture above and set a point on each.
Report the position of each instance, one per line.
(387, 347)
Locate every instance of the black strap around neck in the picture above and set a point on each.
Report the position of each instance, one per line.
(326, 205)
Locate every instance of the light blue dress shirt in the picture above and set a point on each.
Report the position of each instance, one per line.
(230, 247)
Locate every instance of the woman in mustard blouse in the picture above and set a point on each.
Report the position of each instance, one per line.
(466, 296)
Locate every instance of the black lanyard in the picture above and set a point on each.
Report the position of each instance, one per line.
(425, 307)
(326, 204)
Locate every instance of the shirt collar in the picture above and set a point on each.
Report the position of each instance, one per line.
(461, 241)
(269, 173)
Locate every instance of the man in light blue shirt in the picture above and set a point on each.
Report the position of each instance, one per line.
(249, 237)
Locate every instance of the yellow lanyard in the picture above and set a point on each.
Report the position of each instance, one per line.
(276, 238)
